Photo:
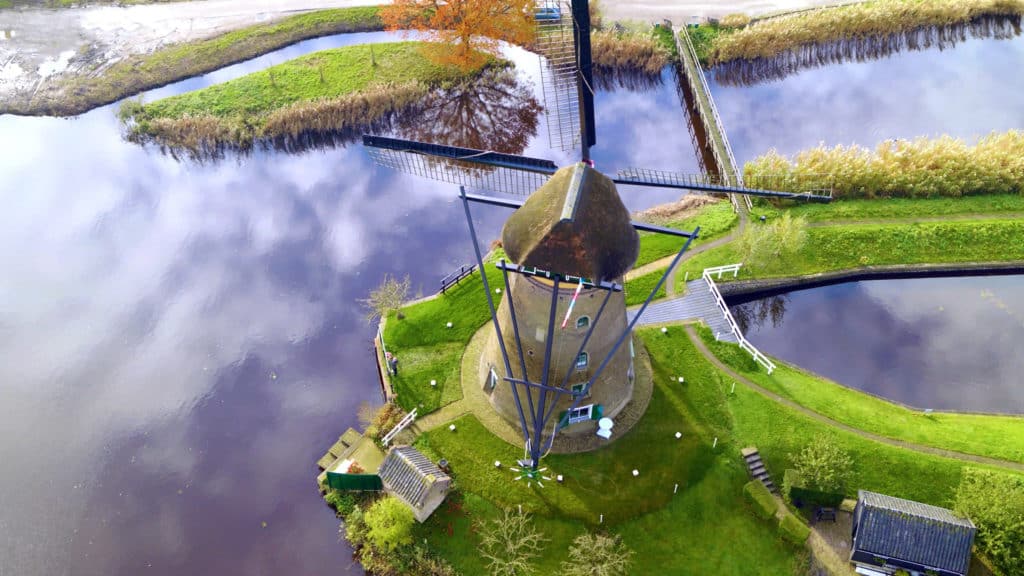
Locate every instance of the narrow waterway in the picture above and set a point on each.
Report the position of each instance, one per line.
(965, 91)
(180, 341)
(939, 343)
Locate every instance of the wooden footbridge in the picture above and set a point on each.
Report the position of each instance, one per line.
(704, 302)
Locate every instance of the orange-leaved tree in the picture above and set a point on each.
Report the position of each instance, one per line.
(464, 33)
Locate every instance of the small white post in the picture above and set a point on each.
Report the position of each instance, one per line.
(715, 445)
(520, 508)
(675, 489)
(686, 277)
(733, 391)
(735, 271)
(601, 521)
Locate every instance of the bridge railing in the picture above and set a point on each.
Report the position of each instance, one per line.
(759, 357)
(399, 427)
(699, 84)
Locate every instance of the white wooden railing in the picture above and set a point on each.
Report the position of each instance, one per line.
(399, 427)
(746, 345)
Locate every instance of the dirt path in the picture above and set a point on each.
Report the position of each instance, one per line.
(37, 44)
(703, 349)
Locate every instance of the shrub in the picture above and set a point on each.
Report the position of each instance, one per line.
(342, 502)
(389, 524)
(793, 529)
(994, 501)
(824, 466)
(354, 528)
(761, 499)
(795, 491)
(597, 555)
(510, 543)
(762, 244)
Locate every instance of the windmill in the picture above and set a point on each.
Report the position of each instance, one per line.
(569, 243)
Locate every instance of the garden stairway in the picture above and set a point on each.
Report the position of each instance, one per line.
(757, 469)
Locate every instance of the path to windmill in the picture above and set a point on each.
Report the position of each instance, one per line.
(38, 43)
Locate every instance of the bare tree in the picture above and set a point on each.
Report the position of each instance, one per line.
(597, 555)
(510, 543)
(390, 295)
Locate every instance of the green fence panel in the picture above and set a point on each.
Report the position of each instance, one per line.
(361, 482)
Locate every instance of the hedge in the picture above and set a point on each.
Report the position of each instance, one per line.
(762, 500)
(793, 529)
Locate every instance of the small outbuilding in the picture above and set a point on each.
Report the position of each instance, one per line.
(411, 477)
(891, 534)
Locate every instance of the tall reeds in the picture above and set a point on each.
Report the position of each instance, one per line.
(775, 36)
(628, 51)
(746, 72)
(922, 167)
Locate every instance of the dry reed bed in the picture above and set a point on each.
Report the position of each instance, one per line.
(624, 51)
(775, 36)
(922, 167)
(746, 72)
(208, 135)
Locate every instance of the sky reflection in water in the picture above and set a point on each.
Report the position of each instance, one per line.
(180, 342)
(942, 343)
(965, 92)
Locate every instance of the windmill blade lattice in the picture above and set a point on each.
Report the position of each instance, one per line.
(558, 70)
(812, 187)
(477, 169)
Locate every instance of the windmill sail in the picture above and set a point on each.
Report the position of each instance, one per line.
(558, 73)
(812, 187)
(476, 169)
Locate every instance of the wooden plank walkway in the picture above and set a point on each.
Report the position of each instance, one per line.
(697, 304)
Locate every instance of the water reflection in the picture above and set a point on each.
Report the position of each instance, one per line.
(942, 343)
(963, 92)
(180, 341)
(754, 314)
(495, 111)
(611, 79)
(757, 70)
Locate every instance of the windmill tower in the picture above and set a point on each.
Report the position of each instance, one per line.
(561, 350)
(574, 226)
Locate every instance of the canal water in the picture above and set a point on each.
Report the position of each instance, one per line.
(965, 91)
(180, 341)
(940, 343)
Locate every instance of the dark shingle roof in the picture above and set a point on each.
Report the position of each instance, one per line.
(409, 474)
(919, 533)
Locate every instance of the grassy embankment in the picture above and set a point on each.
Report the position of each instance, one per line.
(1000, 437)
(327, 90)
(428, 350)
(715, 221)
(877, 18)
(82, 92)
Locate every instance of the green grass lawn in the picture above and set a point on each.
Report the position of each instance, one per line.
(851, 246)
(746, 418)
(993, 436)
(135, 74)
(885, 208)
(428, 350)
(715, 220)
(706, 525)
(639, 288)
(321, 75)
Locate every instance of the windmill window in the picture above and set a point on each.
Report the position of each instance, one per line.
(577, 388)
(581, 414)
(582, 360)
(582, 322)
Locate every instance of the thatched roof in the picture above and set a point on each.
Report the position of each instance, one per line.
(575, 225)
